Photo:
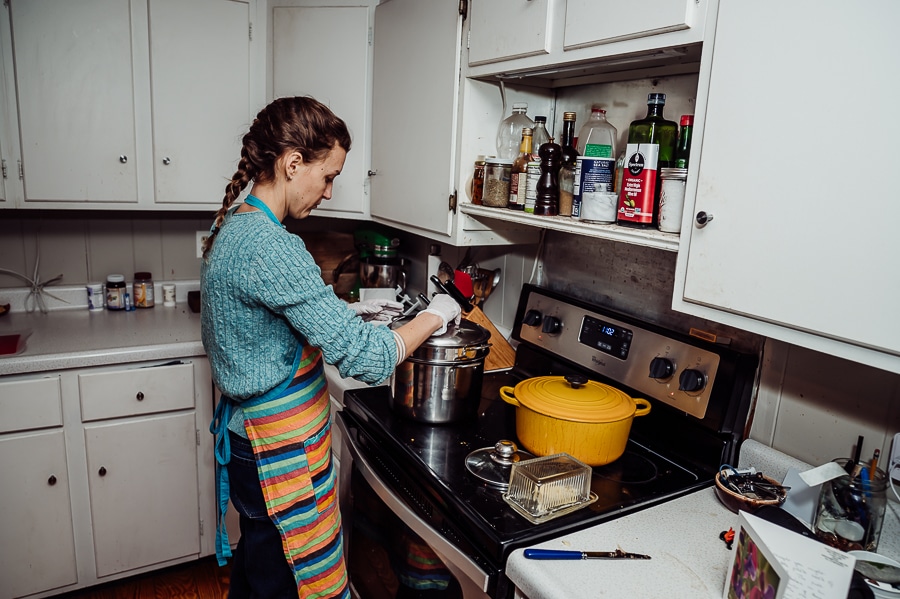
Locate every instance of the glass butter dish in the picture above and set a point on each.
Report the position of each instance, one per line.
(544, 488)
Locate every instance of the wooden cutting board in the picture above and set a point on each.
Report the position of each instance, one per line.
(502, 355)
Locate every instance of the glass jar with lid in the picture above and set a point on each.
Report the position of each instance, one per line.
(497, 173)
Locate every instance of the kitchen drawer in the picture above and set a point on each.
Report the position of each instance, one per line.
(30, 404)
(136, 391)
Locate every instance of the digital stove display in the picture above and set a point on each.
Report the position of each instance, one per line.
(608, 338)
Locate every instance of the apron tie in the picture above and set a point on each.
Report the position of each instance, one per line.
(219, 428)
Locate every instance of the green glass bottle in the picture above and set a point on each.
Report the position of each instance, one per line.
(651, 146)
(683, 151)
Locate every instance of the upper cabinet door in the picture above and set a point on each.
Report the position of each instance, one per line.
(797, 250)
(339, 78)
(591, 22)
(74, 77)
(505, 29)
(200, 74)
(414, 112)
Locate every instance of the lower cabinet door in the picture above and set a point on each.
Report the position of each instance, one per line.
(38, 551)
(142, 476)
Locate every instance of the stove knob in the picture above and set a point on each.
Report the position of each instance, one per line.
(691, 380)
(661, 368)
(532, 318)
(552, 325)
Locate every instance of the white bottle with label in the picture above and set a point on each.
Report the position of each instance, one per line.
(597, 138)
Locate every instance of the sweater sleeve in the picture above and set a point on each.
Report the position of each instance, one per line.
(290, 284)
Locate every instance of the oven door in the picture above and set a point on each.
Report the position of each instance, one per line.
(391, 551)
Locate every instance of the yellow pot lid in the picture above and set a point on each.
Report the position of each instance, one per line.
(575, 398)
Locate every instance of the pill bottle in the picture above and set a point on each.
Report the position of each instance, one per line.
(143, 290)
(168, 295)
(95, 293)
(115, 292)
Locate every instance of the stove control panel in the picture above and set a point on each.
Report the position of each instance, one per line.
(663, 369)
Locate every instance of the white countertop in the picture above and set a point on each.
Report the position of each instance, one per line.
(688, 559)
(78, 337)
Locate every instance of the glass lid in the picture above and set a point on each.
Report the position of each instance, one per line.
(493, 464)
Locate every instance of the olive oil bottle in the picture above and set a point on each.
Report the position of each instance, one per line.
(651, 147)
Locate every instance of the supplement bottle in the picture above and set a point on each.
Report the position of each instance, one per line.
(143, 290)
(115, 292)
(651, 146)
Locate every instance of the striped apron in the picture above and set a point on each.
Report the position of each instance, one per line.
(290, 431)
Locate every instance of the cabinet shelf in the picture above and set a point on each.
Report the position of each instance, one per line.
(645, 237)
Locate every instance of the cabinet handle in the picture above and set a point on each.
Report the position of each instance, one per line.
(703, 218)
(167, 161)
(140, 396)
(102, 471)
(52, 480)
(123, 159)
(372, 173)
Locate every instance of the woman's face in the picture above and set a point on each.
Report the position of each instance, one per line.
(312, 181)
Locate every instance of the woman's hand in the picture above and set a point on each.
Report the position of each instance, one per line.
(377, 311)
(446, 308)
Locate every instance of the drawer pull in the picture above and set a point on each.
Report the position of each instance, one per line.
(140, 396)
(52, 480)
(102, 471)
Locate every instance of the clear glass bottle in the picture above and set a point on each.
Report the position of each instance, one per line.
(510, 132)
(519, 173)
(651, 147)
(540, 136)
(683, 151)
(597, 138)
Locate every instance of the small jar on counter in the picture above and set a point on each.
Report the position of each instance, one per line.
(143, 290)
(496, 182)
(115, 292)
(671, 199)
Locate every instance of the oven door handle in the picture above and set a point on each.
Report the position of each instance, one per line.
(456, 561)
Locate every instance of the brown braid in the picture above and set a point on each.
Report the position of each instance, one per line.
(294, 124)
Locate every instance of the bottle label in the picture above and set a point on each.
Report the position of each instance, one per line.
(531, 180)
(638, 184)
(514, 201)
(598, 151)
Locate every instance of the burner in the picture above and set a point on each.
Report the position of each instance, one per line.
(631, 468)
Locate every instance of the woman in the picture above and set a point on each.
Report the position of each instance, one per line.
(268, 322)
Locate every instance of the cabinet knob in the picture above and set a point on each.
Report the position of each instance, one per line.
(102, 471)
(373, 173)
(123, 159)
(52, 480)
(703, 218)
(139, 396)
(167, 161)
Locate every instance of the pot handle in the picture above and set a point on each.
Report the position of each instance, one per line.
(506, 394)
(643, 407)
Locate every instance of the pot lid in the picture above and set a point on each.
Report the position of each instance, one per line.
(464, 334)
(493, 465)
(575, 398)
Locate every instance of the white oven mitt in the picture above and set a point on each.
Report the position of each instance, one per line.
(447, 308)
(377, 311)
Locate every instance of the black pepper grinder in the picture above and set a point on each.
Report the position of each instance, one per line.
(547, 201)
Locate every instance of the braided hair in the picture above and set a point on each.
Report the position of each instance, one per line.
(300, 124)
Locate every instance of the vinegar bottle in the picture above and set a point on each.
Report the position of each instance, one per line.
(567, 168)
(540, 136)
(683, 151)
(519, 173)
(651, 146)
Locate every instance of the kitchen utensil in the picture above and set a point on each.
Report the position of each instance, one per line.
(558, 554)
(445, 272)
(734, 500)
(589, 420)
(463, 282)
(501, 355)
(548, 487)
(441, 381)
(493, 464)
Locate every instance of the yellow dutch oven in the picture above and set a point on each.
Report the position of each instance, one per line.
(586, 419)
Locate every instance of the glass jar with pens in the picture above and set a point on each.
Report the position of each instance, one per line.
(851, 507)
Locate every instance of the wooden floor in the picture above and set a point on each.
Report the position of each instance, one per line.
(202, 579)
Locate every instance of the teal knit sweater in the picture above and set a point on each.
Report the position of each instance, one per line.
(263, 295)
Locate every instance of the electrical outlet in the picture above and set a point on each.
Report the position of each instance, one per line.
(201, 239)
(895, 453)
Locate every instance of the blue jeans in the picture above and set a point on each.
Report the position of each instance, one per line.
(259, 569)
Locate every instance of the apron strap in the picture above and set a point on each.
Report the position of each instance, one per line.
(219, 428)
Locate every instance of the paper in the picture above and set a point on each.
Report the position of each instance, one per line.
(771, 562)
(821, 474)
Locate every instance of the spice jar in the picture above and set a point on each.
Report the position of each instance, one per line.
(496, 182)
(478, 181)
(671, 198)
(143, 290)
(850, 510)
(115, 292)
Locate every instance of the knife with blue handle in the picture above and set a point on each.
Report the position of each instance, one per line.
(557, 554)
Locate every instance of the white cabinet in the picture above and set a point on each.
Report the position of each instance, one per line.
(591, 22)
(799, 250)
(504, 29)
(37, 511)
(131, 105)
(113, 472)
(10, 185)
(340, 77)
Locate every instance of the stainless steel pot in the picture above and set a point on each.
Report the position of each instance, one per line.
(441, 381)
